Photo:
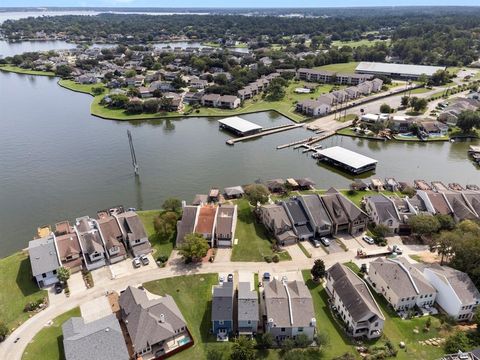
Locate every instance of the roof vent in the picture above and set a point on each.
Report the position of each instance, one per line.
(107, 329)
(162, 318)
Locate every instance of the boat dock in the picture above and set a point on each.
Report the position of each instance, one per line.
(439, 186)
(308, 142)
(421, 185)
(268, 131)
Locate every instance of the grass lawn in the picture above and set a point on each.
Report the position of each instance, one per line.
(83, 88)
(357, 43)
(420, 90)
(17, 289)
(342, 67)
(48, 343)
(161, 246)
(349, 132)
(338, 342)
(19, 70)
(253, 243)
(358, 195)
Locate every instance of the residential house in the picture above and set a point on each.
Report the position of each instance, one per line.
(98, 339)
(69, 251)
(226, 224)
(354, 302)
(313, 107)
(461, 209)
(344, 214)
(112, 237)
(321, 76)
(228, 102)
(145, 92)
(154, 324)
(192, 97)
(222, 310)
(317, 214)
(352, 92)
(277, 222)
(134, 233)
(90, 242)
(401, 284)
(382, 210)
(456, 292)
(472, 198)
(288, 310)
(210, 100)
(248, 309)
(299, 219)
(450, 114)
(206, 223)
(187, 224)
(44, 260)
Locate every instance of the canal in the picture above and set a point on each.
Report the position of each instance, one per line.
(59, 162)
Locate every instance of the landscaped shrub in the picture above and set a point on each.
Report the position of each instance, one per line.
(33, 305)
(268, 258)
(275, 258)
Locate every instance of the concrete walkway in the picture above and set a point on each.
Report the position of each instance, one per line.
(12, 350)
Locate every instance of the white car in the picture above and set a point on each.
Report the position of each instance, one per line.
(136, 262)
(325, 241)
(368, 240)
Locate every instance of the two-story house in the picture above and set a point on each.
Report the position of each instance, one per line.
(248, 309)
(44, 260)
(222, 310)
(276, 220)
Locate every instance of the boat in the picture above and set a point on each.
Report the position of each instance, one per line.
(472, 187)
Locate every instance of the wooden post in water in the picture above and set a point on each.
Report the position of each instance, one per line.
(132, 152)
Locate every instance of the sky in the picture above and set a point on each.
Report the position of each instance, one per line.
(223, 3)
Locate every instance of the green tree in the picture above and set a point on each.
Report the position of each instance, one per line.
(423, 78)
(385, 109)
(63, 71)
(446, 222)
(424, 224)
(130, 73)
(178, 82)
(63, 274)
(346, 356)
(3, 331)
(381, 231)
(242, 349)
(288, 345)
(165, 224)
(420, 105)
(456, 342)
(302, 341)
(150, 105)
(443, 244)
(467, 120)
(256, 193)
(98, 90)
(194, 247)
(172, 204)
(405, 100)
(318, 270)
(266, 341)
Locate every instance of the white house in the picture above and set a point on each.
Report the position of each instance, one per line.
(44, 260)
(457, 295)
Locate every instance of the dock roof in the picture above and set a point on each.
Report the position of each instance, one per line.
(239, 124)
(407, 69)
(347, 157)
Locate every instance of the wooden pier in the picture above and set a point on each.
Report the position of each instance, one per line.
(306, 143)
(268, 131)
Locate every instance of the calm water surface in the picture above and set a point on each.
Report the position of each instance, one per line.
(59, 162)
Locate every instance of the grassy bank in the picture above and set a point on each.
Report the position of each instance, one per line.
(253, 243)
(83, 88)
(342, 67)
(19, 70)
(48, 343)
(17, 289)
(357, 43)
(162, 246)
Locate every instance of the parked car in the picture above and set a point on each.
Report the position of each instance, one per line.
(316, 243)
(221, 279)
(136, 262)
(368, 240)
(230, 278)
(144, 260)
(58, 287)
(266, 276)
(325, 241)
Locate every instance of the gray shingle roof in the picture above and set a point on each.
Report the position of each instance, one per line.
(315, 206)
(43, 255)
(354, 293)
(101, 339)
(222, 301)
(149, 321)
(247, 302)
(187, 224)
(384, 207)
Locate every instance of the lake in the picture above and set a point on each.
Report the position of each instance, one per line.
(58, 162)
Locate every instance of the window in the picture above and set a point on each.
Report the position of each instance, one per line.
(300, 329)
(282, 329)
(54, 272)
(221, 322)
(44, 275)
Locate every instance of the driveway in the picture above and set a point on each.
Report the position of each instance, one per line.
(316, 252)
(352, 242)
(296, 253)
(76, 284)
(95, 309)
(125, 267)
(223, 254)
(334, 247)
(290, 275)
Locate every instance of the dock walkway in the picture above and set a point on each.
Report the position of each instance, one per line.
(268, 131)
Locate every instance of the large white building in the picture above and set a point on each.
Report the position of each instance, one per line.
(402, 71)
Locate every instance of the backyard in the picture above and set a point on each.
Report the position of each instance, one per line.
(161, 246)
(17, 289)
(253, 243)
(48, 343)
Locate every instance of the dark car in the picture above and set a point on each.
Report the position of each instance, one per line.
(58, 287)
(230, 278)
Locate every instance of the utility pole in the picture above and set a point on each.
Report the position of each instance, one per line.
(132, 152)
